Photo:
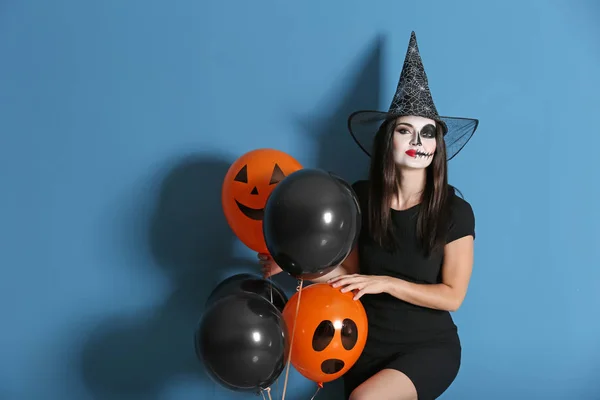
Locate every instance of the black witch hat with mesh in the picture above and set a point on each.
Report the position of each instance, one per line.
(412, 97)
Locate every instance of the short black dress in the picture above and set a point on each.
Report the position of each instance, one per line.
(421, 342)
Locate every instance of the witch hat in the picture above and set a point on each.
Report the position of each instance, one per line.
(412, 97)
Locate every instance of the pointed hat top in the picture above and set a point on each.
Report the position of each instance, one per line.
(413, 96)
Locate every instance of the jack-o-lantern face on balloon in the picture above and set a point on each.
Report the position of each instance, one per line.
(246, 188)
(331, 331)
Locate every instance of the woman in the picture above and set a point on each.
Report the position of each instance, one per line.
(413, 260)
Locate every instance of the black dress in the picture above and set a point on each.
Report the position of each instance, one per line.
(421, 342)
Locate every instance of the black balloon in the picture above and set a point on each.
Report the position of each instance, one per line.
(249, 283)
(311, 222)
(242, 340)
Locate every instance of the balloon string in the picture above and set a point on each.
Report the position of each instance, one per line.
(287, 372)
(262, 391)
(271, 292)
(268, 390)
(319, 387)
(271, 286)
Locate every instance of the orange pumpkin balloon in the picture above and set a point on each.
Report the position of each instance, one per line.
(331, 331)
(246, 188)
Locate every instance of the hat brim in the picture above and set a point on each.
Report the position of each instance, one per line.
(363, 125)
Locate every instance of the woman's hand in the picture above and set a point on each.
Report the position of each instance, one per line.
(269, 267)
(363, 284)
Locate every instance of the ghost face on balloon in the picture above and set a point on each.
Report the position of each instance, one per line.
(414, 142)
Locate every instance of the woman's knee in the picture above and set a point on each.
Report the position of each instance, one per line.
(379, 389)
(366, 394)
(360, 394)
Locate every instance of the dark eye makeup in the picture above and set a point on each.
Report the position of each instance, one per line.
(427, 132)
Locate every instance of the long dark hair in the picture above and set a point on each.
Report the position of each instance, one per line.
(384, 180)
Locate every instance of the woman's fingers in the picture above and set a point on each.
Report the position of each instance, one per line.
(267, 271)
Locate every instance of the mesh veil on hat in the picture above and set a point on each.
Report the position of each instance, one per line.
(412, 97)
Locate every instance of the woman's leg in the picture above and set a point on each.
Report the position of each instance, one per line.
(387, 384)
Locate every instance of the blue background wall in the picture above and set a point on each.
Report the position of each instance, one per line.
(118, 120)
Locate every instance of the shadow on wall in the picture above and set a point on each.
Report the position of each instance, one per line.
(134, 358)
(337, 151)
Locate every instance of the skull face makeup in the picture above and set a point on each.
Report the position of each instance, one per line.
(414, 142)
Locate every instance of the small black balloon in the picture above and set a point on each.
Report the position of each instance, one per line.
(249, 283)
(242, 340)
(311, 222)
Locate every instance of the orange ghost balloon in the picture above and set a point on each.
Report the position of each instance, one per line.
(330, 334)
